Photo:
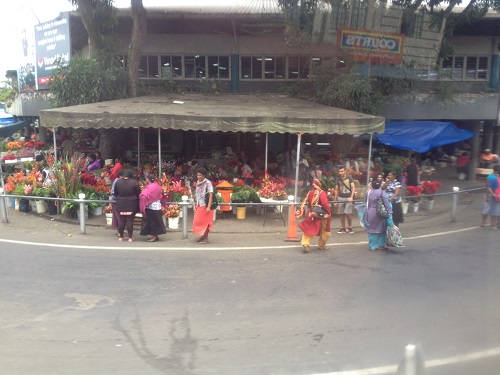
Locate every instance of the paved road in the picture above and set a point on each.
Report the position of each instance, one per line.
(268, 311)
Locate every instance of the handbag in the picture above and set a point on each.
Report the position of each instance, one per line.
(393, 236)
(317, 211)
(381, 209)
(214, 204)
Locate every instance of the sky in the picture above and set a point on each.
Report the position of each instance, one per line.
(19, 15)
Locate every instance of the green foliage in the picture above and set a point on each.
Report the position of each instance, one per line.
(7, 93)
(351, 91)
(292, 90)
(85, 81)
(395, 79)
(245, 194)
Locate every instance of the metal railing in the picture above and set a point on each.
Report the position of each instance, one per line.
(185, 204)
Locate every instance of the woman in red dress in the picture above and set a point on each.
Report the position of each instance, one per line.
(314, 225)
(203, 216)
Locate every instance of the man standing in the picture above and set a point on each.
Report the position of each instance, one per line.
(344, 193)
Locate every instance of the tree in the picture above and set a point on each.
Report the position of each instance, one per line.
(88, 80)
(99, 18)
(135, 47)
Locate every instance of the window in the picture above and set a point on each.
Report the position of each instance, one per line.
(458, 67)
(153, 67)
(257, 67)
(280, 67)
(412, 23)
(464, 68)
(171, 66)
(218, 67)
(246, 67)
(359, 8)
(339, 15)
(274, 67)
(143, 67)
(148, 67)
(446, 67)
(482, 68)
(195, 66)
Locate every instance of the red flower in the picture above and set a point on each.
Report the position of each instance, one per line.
(414, 190)
(430, 187)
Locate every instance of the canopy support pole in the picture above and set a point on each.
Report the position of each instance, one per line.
(159, 152)
(299, 138)
(138, 147)
(267, 150)
(55, 144)
(369, 160)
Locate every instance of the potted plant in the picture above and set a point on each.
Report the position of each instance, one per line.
(172, 213)
(108, 211)
(429, 187)
(412, 193)
(243, 194)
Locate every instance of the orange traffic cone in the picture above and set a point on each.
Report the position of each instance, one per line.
(292, 230)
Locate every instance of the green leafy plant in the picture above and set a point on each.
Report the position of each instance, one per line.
(244, 194)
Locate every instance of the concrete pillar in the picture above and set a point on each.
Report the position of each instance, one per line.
(42, 134)
(495, 71)
(496, 144)
(488, 135)
(474, 126)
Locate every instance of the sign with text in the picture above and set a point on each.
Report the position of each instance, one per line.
(374, 46)
(52, 42)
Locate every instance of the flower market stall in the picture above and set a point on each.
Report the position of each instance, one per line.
(222, 114)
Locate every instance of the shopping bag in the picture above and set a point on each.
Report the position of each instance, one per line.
(393, 236)
(361, 208)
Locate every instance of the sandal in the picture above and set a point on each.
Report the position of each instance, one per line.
(324, 247)
(153, 239)
(305, 249)
(203, 241)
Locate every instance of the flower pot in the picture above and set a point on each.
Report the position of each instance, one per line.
(109, 218)
(413, 207)
(11, 202)
(52, 207)
(33, 207)
(41, 206)
(241, 212)
(97, 211)
(404, 206)
(24, 205)
(16, 204)
(427, 204)
(173, 222)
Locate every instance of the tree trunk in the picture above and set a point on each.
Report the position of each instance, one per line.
(135, 47)
(87, 11)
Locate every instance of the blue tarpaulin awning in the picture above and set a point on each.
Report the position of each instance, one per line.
(9, 125)
(421, 136)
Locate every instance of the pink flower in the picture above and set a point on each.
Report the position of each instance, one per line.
(27, 189)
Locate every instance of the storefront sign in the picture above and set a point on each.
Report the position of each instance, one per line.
(52, 41)
(372, 46)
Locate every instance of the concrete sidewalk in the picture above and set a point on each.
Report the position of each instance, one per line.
(229, 229)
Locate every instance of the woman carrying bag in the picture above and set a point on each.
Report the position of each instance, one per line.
(203, 215)
(376, 225)
(318, 217)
